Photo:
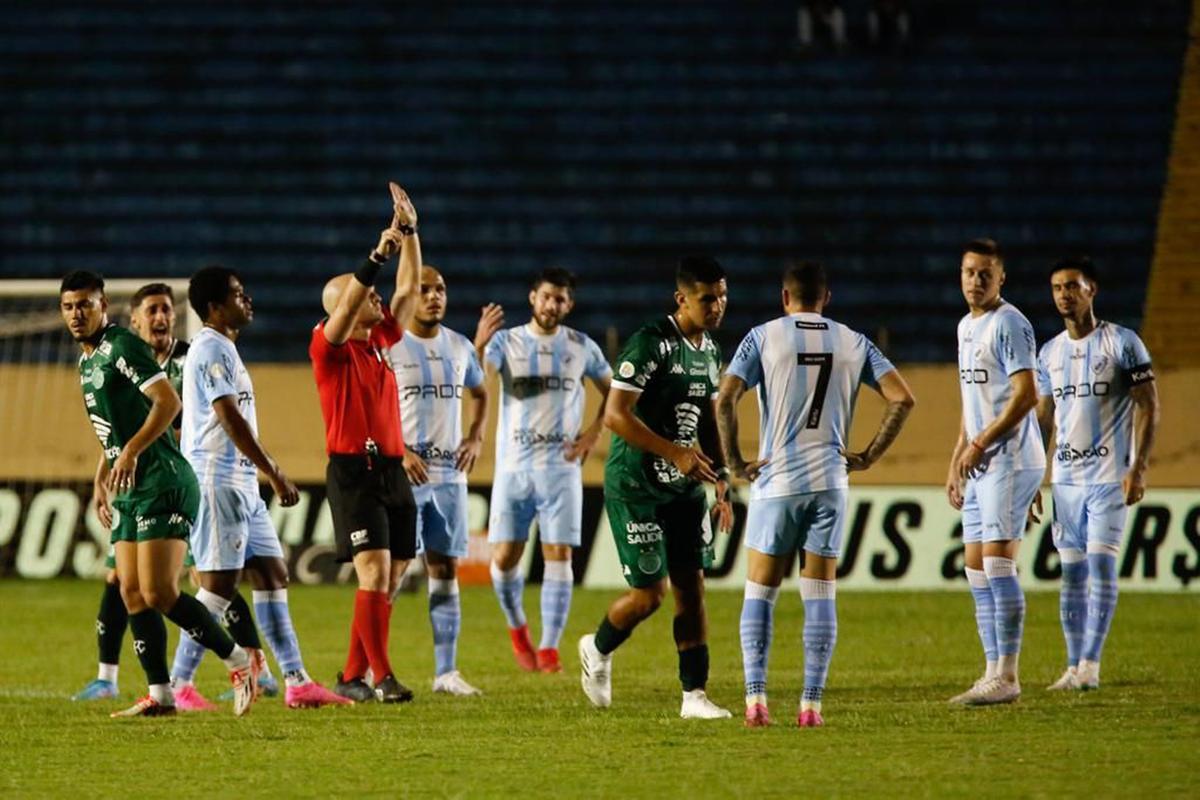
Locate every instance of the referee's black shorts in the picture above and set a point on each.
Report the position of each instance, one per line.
(372, 506)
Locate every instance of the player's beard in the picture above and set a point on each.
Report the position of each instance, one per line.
(548, 320)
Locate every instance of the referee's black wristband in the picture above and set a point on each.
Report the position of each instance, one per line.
(369, 270)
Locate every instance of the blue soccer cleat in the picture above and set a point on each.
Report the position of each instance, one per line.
(97, 690)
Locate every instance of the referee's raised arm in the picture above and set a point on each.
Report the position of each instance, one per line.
(408, 273)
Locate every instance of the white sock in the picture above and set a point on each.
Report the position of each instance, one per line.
(161, 693)
(238, 659)
(992, 670)
(108, 672)
(1006, 667)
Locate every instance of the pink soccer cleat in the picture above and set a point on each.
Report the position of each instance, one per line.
(187, 698)
(757, 716)
(313, 695)
(522, 648)
(810, 718)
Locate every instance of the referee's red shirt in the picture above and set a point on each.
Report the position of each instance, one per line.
(359, 400)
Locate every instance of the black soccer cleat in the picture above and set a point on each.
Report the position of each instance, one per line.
(390, 690)
(355, 689)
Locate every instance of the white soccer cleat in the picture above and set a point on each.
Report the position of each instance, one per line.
(1069, 682)
(995, 691)
(1088, 675)
(696, 705)
(595, 672)
(962, 698)
(453, 683)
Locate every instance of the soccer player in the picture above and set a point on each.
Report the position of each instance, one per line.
(233, 529)
(807, 369)
(434, 365)
(997, 464)
(1097, 390)
(540, 445)
(663, 418)
(371, 501)
(153, 491)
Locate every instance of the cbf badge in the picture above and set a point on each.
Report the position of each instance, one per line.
(708, 555)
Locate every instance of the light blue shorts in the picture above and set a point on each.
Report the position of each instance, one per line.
(815, 521)
(442, 518)
(233, 525)
(1086, 514)
(555, 498)
(996, 504)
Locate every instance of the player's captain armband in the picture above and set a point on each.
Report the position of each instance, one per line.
(1142, 373)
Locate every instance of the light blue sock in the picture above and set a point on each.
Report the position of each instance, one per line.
(758, 610)
(985, 612)
(1072, 601)
(275, 622)
(820, 634)
(558, 581)
(1010, 603)
(445, 617)
(1102, 602)
(189, 653)
(509, 587)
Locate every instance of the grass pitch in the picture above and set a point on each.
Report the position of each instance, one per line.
(889, 731)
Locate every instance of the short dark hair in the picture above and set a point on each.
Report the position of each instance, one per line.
(79, 279)
(209, 286)
(807, 281)
(1081, 263)
(555, 276)
(984, 247)
(698, 269)
(149, 290)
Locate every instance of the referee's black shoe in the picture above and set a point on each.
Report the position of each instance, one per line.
(355, 689)
(390, 690)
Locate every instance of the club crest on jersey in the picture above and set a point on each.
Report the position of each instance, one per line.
(105, 348)
(97, 378)
(626, 370)
(1100, 365)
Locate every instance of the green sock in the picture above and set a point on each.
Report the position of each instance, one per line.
(240, 623)
(111, 622)
(191, 615)
(150, 644)
(693, 667)
(609, 637)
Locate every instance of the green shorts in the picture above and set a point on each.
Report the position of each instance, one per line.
(655, 537)
(165, 513)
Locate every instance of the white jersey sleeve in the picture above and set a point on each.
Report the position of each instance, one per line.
(213, 370)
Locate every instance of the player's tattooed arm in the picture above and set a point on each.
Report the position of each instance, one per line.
(731, 391)
(247, 443)
(900, 402)
(579, 448)
(408, 273)
(164, 405)
(1145, 425)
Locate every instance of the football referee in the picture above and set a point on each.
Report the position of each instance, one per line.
(374, 516)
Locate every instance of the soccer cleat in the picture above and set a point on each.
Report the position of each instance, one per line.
(188, 699)
(962, 698)
(355, 689)
(547, 660)
(390, 690)
(696, 705)
(522, 648)
(1088, 675)
(995, 691)
(757, 716)
(145, 707)
(98, 689)
(1069, 682)
(810, 718)
(268, 686)
(313, 695)
(245, 688)
(453, 683)
(595, 672)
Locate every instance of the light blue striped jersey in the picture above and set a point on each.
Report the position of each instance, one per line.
(807, 370)
(991, 348)
(212, 370)
(541, 394)
(1090, 379)
(431, 375)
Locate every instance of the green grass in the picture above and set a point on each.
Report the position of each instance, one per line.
(888, 729)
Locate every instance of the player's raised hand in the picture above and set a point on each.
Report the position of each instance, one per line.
(121, 476)
(414, 466)
(284, 489)
(856, 462)
(467, 453)
(491, 319)
(749, 470)
(690, 461)
(390, 241)
(405, 212)
(1035, 511)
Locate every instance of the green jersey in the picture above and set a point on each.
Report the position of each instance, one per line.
(676, 381)
(113, 378)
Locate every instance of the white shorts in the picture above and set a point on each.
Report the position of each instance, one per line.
(1087, 514)
(442, 518)
(233, 525)
(555, 498)
(815, 521)
(996, 504)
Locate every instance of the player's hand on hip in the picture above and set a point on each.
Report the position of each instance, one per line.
(1134, 486)
(750, 470)
(121, 476)
(579, 448)
(491, 319)
(414, 467)
(1034, 517)
(954, 492)
(467, 453)
(856, 462)
(284, 489)
(405, 212)
(690, 461)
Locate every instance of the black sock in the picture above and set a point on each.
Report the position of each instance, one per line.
(240, 623)
(609, 637)
(198, 622)
(150, 644)
(111, 622)
(693, 667)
